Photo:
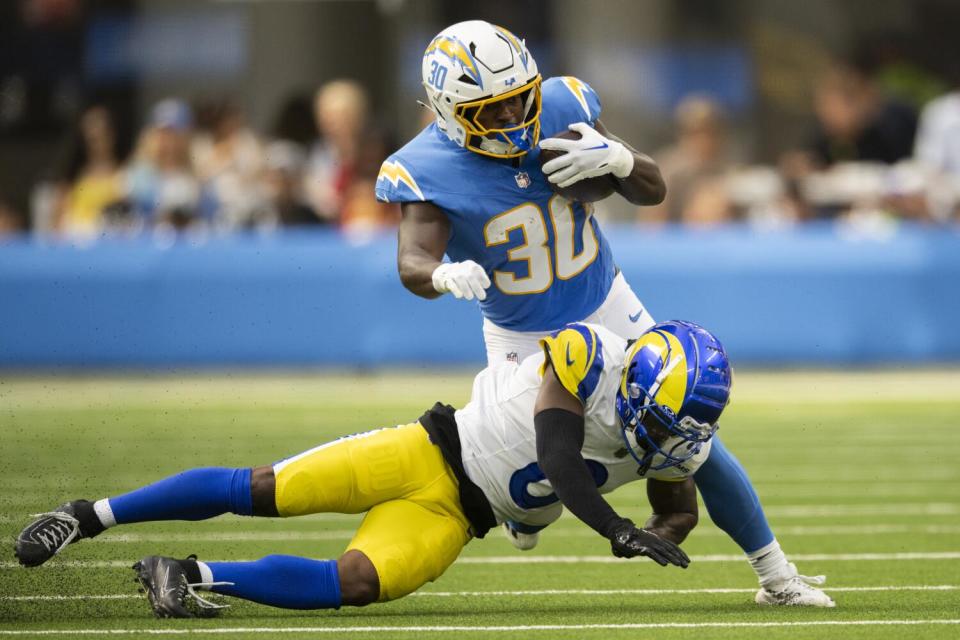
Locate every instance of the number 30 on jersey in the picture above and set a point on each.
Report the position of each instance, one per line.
(566, 262)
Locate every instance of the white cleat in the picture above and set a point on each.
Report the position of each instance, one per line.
(794, 590)
(522, 541)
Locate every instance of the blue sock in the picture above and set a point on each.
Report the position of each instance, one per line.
(197, 494)
(730, 499)
(281, 581)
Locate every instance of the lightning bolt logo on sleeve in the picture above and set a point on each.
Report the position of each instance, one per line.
(396, 174)
(579, 88)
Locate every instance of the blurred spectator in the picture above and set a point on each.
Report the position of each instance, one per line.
(92, 180)
(937, 151)
(938, 136)
(228, 158)
(362, 212)
(340, 113)
(891, 58)
(860, 134)
(162, 185)
(282, 186)
(343, 164)
(11, 222)
(295, 121)
(856, 122)
(695, 168)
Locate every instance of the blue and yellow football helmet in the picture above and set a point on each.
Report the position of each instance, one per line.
(675, 385)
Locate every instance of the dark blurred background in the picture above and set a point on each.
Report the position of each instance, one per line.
(744, 102)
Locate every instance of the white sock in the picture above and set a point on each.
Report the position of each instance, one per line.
(206, 575)
(104, 513)
(769, 563)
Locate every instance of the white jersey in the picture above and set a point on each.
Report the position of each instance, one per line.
(497, 435)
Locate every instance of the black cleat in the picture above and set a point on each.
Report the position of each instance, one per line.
(46, 536)
(165, 583)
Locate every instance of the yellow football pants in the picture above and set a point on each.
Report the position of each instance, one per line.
(414, 528)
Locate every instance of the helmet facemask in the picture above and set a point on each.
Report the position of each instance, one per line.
(657, 431)
(672, 392)
(507, 142)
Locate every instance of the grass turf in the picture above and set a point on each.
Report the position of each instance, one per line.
(845, 464)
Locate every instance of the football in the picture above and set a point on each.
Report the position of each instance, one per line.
(588, 190)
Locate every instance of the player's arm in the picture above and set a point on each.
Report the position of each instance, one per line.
(559, 424)
(422, 241)
(674, 508)
(599, 153)
(644, 185)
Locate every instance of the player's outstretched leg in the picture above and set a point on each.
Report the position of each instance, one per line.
(197, 494)
(288, 582)
(735, 508)
(50, 532)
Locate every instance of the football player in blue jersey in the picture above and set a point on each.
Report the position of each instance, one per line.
(471, 187)
(585, 415)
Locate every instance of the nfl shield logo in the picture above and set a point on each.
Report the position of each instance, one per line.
(523, 180)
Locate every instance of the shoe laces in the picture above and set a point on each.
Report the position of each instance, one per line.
(803, 581)
(790, 577)
(59, 532)
(202, 603)
(812, 581)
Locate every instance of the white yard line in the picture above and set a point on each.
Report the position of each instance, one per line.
(313, 517)
(532, 559)
(773, 511)
(524, 559)
(492, 629)
(551, 533)
(527, 592)
(858, 510)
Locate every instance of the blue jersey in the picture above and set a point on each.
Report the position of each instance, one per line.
(547, 259)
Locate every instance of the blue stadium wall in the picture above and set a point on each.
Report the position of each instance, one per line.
(814, 296)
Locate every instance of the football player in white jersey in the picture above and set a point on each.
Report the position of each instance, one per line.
(470, 186)
(583, 417)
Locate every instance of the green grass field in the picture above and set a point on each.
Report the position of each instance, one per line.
(858, 472)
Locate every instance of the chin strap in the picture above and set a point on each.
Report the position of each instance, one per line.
(508, 143)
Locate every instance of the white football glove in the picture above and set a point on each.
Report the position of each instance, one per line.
(591, 156)
(465, 279)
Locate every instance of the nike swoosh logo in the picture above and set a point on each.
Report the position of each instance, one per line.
(570, 361)
(636, 316)
(599, 146)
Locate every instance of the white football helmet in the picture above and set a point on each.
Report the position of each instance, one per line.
(471, 65)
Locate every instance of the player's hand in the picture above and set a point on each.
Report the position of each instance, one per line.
(591, 156)
(465, 279)
(627, 541)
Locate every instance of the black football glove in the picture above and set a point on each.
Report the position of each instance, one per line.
(627, 541)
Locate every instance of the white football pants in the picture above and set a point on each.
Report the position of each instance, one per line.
(621, 312)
